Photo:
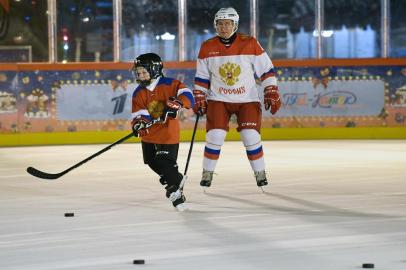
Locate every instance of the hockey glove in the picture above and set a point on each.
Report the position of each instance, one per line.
(272, 100)
(139, 125)
(200, 106)
(173, 105)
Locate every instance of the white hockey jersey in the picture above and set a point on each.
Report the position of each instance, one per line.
(227, 73)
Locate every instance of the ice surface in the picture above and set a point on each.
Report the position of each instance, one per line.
(330, 205)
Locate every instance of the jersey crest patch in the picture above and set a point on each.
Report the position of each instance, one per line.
(229, 73)
(156, 108)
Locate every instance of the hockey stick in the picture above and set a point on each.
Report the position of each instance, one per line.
(52, 176)
(190, 152)
(191, 144)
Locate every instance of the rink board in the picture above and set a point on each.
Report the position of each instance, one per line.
(95, 137)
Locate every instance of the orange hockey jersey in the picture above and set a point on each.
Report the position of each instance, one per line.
(150, 102)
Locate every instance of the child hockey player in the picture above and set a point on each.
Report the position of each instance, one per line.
(159, 97)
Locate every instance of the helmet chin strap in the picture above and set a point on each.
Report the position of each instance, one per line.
(235, 30)
(144, 83)
(149, 82)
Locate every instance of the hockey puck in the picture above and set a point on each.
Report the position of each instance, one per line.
(139, 262)
(69, 214)
(368, 265)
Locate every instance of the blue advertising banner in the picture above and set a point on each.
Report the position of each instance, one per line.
(93, 102)
(338, 98)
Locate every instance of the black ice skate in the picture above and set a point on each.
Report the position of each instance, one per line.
(207, 177)
(261, 179)
(175, 195)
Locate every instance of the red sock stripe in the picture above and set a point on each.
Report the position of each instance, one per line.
(211, 156)
(256, 155)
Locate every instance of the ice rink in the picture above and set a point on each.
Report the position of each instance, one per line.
(330, 205)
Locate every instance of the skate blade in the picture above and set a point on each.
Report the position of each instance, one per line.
(182, 207)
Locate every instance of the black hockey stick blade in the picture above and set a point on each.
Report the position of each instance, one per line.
(44, 175)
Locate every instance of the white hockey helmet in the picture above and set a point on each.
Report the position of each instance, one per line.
(227, 14)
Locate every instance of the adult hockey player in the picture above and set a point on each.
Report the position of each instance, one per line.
(160, 97)
(225, 85)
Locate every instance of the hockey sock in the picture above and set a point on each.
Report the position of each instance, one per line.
(252, 142)
(214, 141)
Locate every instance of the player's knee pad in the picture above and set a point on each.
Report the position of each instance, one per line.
(251, 139)
(214, 141)
(216, 137)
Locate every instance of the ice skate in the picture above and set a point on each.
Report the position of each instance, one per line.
(207, 177)
(182, 207)
(261, 179)
(175, 195)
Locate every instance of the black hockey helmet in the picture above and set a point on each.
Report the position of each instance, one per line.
(152, 63)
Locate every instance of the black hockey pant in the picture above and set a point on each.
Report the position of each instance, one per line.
(161, 158)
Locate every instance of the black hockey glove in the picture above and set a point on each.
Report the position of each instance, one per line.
(200, 106)
(140, 126)
(173, 105)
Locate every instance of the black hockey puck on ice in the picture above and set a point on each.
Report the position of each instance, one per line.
(368, 265)
(139, 262)
(69, 214)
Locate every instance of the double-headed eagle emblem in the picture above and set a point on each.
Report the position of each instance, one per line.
(156, 108)
(229, 73)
